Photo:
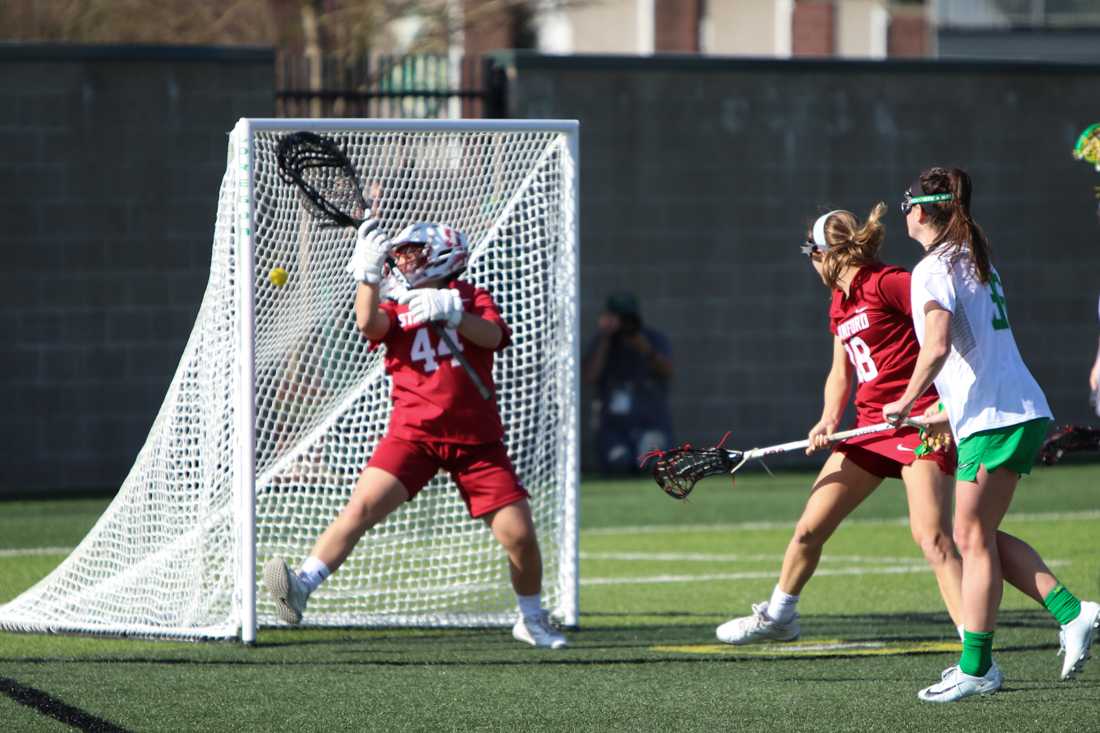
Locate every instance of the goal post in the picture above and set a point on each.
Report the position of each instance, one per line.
(278, 401)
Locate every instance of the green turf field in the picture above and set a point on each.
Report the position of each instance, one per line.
(657, 576)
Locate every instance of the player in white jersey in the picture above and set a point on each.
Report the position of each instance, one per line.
(999, 416)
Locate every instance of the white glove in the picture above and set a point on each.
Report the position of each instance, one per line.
(429, 304)
(372, 247)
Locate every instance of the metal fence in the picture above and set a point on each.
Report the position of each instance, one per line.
(421, 86)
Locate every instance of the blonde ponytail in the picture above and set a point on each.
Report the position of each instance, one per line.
(851, 244)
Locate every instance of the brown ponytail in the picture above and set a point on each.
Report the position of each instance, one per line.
(957, 228)
(851, 244)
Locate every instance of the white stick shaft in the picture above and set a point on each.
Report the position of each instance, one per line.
(834, 438)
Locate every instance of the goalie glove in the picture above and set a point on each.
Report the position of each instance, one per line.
(372, 248)
(429, 304)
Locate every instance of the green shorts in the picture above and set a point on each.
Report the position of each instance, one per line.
(1014, 447)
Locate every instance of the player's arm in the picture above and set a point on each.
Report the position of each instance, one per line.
(933, 415)
(477, 330)
(933, 355)
(371, 320)
(838, 387)
(444, 306)
(1094, 375)
(372, 247)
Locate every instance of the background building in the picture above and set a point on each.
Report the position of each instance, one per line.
(1052, 30)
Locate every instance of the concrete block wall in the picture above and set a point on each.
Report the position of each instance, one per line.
(699, 178)
(110, 162)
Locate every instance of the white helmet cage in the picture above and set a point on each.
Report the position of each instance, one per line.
(445, 252)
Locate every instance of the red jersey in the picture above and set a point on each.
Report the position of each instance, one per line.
(875, 324)
(433, 397)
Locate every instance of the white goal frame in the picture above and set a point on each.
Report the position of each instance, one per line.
(61, 612)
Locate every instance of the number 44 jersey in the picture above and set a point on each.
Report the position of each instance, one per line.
(433, 397)
(874, 322)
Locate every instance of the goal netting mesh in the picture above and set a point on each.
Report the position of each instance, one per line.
(164, 560)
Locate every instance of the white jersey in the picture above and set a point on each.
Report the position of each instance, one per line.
(984, 383)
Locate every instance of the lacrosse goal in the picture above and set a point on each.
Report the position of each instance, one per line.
(277, 402)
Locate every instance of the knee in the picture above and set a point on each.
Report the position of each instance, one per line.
(520, 540)
(361, 514)
(970, 537)
(514, 530)
(936, 545)
(808, 537)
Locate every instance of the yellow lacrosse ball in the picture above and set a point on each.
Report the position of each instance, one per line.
(278, 277)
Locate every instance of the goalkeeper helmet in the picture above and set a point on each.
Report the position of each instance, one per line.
(443, 252)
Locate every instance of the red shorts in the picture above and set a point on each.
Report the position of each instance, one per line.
(884, 454)
(483, 472)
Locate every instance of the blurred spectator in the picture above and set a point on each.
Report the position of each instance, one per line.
(631, 366)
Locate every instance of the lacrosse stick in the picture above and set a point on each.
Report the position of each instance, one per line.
(677, 470)
(330, 191)
(1088, 145)
(1088, 150)
(1067, 439)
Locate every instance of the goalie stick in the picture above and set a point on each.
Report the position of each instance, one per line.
(330, 191)
(677, 470)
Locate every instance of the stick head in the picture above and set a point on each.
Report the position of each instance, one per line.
(1088, 145)
(1068, 439)
(325, 178)
(677, 470)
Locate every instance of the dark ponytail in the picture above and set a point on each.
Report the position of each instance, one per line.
(957, 228)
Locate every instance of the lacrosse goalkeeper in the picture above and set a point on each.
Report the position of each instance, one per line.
(439, 419)
(875, 348)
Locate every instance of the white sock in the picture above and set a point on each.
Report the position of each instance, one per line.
(781, 606)
(313, 572)
(529, 606)
(960, 632)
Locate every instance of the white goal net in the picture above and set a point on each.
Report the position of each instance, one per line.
(278, 402)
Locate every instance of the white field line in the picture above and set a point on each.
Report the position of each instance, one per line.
(917, 567)
(751, 575)
(710, 557)
(770, 525)
(31, 551)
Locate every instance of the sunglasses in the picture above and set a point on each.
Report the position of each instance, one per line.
(910, 201)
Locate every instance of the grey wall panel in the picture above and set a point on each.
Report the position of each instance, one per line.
(110, 162)
(700, 176)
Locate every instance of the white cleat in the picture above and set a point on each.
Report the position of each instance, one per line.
(758, 627)
(1076, 639)
(954, 685)
(286, 589)
(538, 632)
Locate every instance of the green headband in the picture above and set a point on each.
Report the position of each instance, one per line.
(930, 198)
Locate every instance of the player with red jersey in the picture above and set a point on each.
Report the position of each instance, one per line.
(875, 346)
(439, 420)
